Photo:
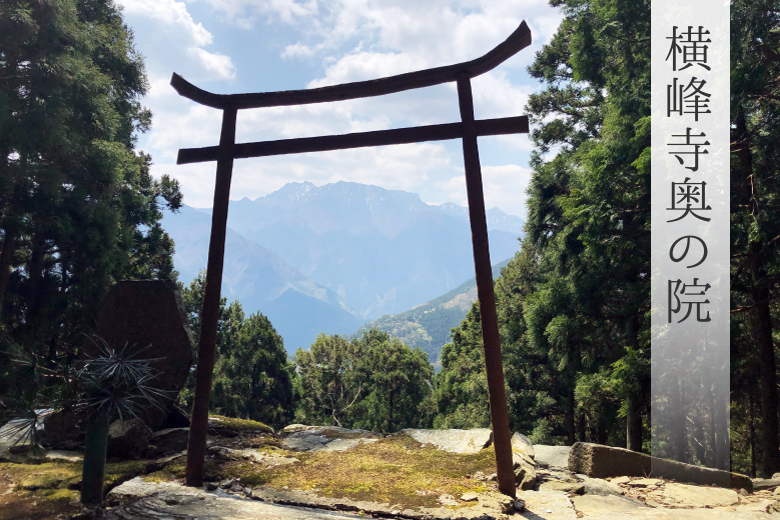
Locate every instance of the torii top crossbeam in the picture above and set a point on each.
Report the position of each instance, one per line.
(468, 130)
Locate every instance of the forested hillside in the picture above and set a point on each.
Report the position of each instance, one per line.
(574, 303)
(429, 325)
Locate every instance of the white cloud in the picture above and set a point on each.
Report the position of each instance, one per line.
(505, 186)
(184, 40)
(353, 40)
(368, 65)
(169, 12)
(219, 64)
(297, 50)
(288, 11)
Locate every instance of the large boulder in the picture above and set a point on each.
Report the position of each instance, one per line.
(62, 430)
(176, 418)
(128, 439)
(553, 456)
(453, 441)
(170, 440)
(523, 459)
(595, 460)
(597, 486)
(522, 444)
(147, 319)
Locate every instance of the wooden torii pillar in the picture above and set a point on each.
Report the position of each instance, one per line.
(468, 130)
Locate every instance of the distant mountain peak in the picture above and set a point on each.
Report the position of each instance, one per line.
(292, 191)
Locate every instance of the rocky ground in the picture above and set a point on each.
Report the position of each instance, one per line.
(334, 473)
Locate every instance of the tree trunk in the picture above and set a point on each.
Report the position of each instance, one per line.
(677, 426)
(570, 431)
(581, 427)
(634, 424)
(94, 470)
(5, 263)
(722, 453)
(601, 430)
(634, 429)
(760, 320)
(769, 403)
(699, 440)
(752, 436)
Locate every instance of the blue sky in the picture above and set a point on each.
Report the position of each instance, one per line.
(234, 46)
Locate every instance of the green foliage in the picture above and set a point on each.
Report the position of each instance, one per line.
(329, 384)
(573, 305)
(397, 380)
(107, 385)
(573, 302)
(428, 325)
(755, 227)
(374, 382)
(252, 377)
(460, 389)
(79, 208)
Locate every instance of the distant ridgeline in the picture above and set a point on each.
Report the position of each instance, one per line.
(428, 325)
(328, 259)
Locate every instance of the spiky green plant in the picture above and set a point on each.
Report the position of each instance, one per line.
(111, 383)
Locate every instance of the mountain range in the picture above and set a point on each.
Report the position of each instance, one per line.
(330, 258)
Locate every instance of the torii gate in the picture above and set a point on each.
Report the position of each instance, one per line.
(468, 130)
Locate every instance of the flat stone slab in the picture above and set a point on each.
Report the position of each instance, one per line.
(555, 456)
(251, 455)
(547, 505)
(324, 438)
(65, 456)
(576, 488)
(453, 441)
(695, 496)
(145, 500)
(600, 461)
(344, 444)
(597, 486)
(595, 504)
(760, 484)
(648, 513)
(480, 506)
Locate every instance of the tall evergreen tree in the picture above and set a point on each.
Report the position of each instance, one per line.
(589, 216)
(78, 206)
(755, 217)
(252, 377)
(329, 383)
(397, 380)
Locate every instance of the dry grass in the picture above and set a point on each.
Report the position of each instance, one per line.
(48, 490)
(396, 470)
